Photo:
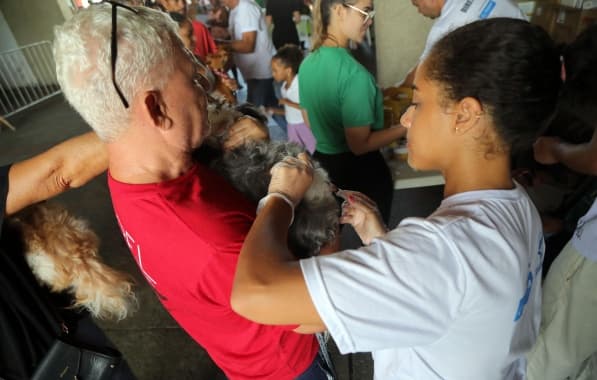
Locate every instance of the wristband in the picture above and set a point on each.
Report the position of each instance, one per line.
(264, 200)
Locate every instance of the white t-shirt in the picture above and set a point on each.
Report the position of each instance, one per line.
(454, 296)
(293, 115)
(247, 17)
(456, 13)
(585, 235)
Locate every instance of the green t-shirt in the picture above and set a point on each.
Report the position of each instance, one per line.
(338, 92)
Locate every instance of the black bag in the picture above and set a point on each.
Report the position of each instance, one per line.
(67, 361)
(41, 338)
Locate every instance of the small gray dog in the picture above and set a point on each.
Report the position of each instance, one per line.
(316, 222)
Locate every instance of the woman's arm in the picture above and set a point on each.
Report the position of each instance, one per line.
(269, 287)
(67, 165)
(362, 140)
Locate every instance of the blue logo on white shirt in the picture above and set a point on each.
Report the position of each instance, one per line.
(487, 10)
(525, 298)
(523, 301)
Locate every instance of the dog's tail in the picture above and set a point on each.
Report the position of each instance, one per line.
(62, 252)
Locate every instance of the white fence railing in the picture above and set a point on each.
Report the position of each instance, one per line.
(27, 77)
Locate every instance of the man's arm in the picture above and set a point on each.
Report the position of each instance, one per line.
(67, 165)
(245, 45)
(581, 158)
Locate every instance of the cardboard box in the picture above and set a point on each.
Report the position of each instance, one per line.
(572, 3)
(587, 17)
(566, 24)
(544, 15)
(584, 4)
(570, 22)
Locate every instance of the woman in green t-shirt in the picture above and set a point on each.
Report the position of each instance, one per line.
(344, 104)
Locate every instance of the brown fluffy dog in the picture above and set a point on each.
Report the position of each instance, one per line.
(62, 252)
(217, 62)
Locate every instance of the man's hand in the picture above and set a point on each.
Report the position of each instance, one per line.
(292, 177)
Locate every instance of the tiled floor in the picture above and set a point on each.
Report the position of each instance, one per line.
(152, 342)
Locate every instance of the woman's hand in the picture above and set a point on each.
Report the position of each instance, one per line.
(362, 213)
(292, 177)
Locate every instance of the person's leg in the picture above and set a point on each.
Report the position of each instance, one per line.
(322, 367)
(306, 137)
(254, 95)
(568, 335)
(260, 92)
(293, 134)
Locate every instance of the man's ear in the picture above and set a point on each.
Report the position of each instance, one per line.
(155, 108)
(468, 112)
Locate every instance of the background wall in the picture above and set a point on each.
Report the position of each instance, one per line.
(400, 33)
(31, 20)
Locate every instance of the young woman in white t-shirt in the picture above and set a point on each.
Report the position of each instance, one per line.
(285, 65)
(456, 295)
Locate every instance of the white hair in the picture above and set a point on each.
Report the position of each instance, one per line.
(147, 42)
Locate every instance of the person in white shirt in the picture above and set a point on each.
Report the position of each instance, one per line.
(285, 65)
(252, 49)
(567, 344)
(451, 14)
(456, 295)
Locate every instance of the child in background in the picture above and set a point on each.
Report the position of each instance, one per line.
(285, 66)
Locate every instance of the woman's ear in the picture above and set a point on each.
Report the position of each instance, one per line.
(468, 112)
(337, 10)
(155, 109)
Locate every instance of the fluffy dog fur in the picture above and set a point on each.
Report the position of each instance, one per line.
(316, 217)
(247, 168)
(62, 252)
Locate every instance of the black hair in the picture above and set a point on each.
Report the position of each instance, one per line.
(154, 5)
(290, 56)
(179, 18)
(579, 93)
(249, 109)
(510, 66)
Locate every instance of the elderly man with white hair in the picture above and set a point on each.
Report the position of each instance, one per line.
(126, 72)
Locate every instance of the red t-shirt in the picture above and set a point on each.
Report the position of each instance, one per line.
(204, 43)
(185, 235)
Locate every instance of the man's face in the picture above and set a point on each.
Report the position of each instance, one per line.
(186, 102)
(429, 8)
